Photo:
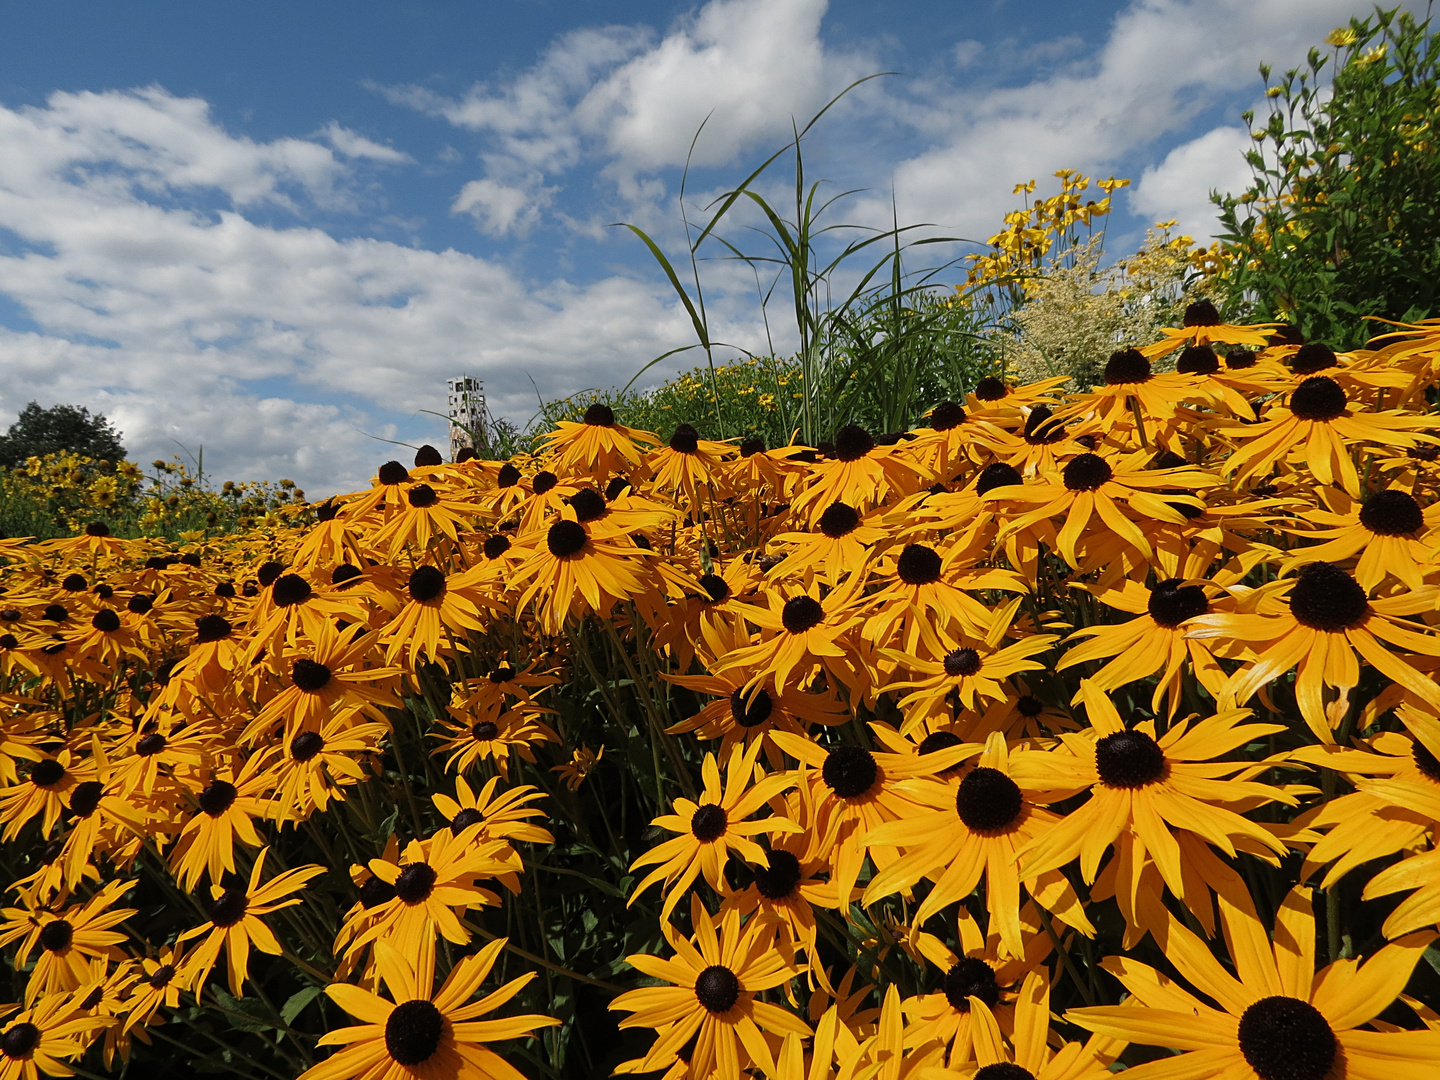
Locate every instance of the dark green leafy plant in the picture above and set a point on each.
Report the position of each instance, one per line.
(37, 432)
(1341, 222)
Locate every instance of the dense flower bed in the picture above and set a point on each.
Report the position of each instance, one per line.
(1063, 731)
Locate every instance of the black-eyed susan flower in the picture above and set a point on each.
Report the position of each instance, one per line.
(68, 942)
(1317, 622)
(235, 924)
(713, 825)
(421, 1033)
(1276, 1017)
(1143, 792)
(43, 1038)
(713, 982)
(953, 835)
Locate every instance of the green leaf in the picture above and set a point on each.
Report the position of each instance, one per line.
(243, 1014)
(297, 1002)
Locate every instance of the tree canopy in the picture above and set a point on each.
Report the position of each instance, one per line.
(38, 431)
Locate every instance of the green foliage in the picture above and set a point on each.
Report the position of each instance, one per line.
(1342, 218)
(877, 345)
(37, 432)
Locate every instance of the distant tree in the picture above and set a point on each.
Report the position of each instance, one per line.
(59, 428)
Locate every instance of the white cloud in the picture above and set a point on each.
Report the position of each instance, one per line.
(353, 145)
(1179, 187)
(502, 209)
(746, 69)
(964, 53)
(1162, 64)
(272, 346)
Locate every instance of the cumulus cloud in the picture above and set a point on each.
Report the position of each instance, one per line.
(502, 209)
(1163, 63)
(123, 237)
(1180, 186)
(633, 101)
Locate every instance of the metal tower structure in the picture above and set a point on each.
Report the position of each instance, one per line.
(465, 405)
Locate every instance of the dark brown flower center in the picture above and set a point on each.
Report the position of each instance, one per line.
(850, 771)
(426, 583)
(1312, 357)
(566, 538)
(421, 495)
(1284, 1038)
(47, 773)
(1086, 472)
(800, 613)
(1129, 759)
(1392, 513)
(1198, 360)
(716, 588)
(1318, 398)
(997, 475)
(839, 519)
(228, 908)
(987, 800)
(56, 936)
(1003, 1070)
(306, 745)
(686, 439)
(376, 891)
(464, 819)
(778, 880)
(853, 442)
(19, 1040)
(415, 883)
(1327, 598)
(210, 628)
(150, 745)
(599, 415)
(412, 1032)
(290, 589)
(717, 988)
(970, 977)
(1126, 366)
(106, 621)
(218, 796)
(392, 472)
(163, 974)
(309, 675)
(588, 504)
(544, 481)
(990, 389)
(1240, 359)
(508, 476)
(947, 415)
(1172, 602)
(919, 565)
(961, 662)
(484, 731)
(1041, 428)
(755, 713)
(1201, 313)
(496, 545)
(428, 457)
(85, 798)
(708, 822)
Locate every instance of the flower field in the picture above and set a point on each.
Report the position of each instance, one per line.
(1065, 734)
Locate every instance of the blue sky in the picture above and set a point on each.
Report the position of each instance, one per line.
(274, 229)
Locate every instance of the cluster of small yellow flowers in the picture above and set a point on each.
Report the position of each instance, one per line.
(1031, 234)
(1022, 740)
